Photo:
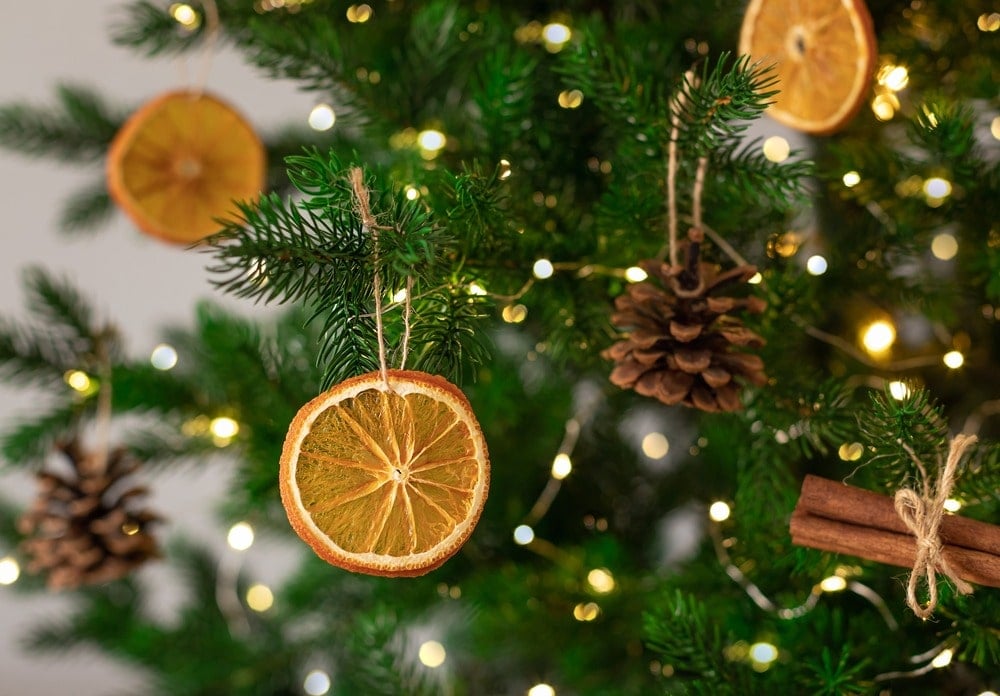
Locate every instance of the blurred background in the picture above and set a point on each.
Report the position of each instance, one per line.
(141, 284)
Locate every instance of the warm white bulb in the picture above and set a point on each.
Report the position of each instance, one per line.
(10, 571)
(776, 148)
(562, 465)
(944, 246)
(634, 274)
(316, 683)
(851, 179)
(655, 445)
(260, 597)
(431, 654)
(542, 269)
(879, 336)
(224, 427)
(523, 534)
(601, 580)
(898, 390)
(240, 536)
(953, 359)
(834, 583)
(431, 140)
(556, 33)
(816, 265)
(719, 511)
(764, 653)
(952, 505)
(163, 357)
(936, 187)
(321, 117)
(943, 658)
(541, 689)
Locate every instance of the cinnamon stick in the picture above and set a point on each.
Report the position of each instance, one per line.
(833, 516)
(888, 547)
(838, 501)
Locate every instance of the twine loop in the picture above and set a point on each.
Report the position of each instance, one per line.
(922, 515)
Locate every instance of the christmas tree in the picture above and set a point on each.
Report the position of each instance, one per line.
(738, 401)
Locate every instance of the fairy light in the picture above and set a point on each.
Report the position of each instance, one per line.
(898, 390)
(851, 179)
(719, 511)
(988, 22)
(505, 170)
(816, 265)
(541, 689)
(431, 142)
(995, 127)
(523, 534)
(952, 505)
(851, 451)
(10, 571)
(399, 296)
(601, 580)
(431, 654)
(223, 429)
(412, 193)
(240, 536)
(756, 278)
(893, 77)
(937, 188)
(555, 36)
(655, 445)
(542, 269)
(514, 314)
(634, 274)
(953, 359)
(944, 246)
(878, 337)
(762, 655)
(184, 15)
(883, 107)
(776, 148)
(477, 289)
(358, 14)
(259, 597)
(322, 118)
(570, 98)
(834, 583)
(77, 380)
(316, 683)
(163, 357)
(943, 659)
(586, 611)
(562, 465)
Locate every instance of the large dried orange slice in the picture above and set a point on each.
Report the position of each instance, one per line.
(180, 161)
(824, 51)
(385, 478)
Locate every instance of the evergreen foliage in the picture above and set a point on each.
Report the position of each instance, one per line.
(523, 178)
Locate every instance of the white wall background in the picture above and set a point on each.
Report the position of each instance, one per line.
(140, 283)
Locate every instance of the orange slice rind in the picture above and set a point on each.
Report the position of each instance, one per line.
(385, 479)
(824, 53)
(178, 163)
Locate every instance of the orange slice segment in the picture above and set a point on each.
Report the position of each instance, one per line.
(824, 52)
(180, 161)
(386, 480)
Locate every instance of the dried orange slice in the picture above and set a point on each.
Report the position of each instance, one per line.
(824, 51)
(386, 479)
(180, 161)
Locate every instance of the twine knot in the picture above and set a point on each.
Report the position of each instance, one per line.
(922, 515)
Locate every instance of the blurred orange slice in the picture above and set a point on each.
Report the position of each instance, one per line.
(385, 478)
(824, 51)
(180, 161)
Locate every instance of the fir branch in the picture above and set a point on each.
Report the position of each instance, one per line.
(717, 107)
(679, 629)
(742, 175)
(32, 440)
(149, 29)
(86, 209)
(890, 423)
(348, 346)
(60, 306)
(448, 336)
(28, 356)
(836, 675)
(374, 648)
(277, 252)
(78, 129)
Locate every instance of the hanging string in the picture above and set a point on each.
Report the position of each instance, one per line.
(102, 419)
(211, 38)
(922, 514)
(370, 226)
(407, 308)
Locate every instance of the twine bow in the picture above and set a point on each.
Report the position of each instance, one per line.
(922, 515)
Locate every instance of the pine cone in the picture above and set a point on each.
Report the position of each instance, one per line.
(680, 345)
(82, 528)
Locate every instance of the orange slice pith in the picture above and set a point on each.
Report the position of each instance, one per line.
(180, 161)
(385, 481)
(824, 51)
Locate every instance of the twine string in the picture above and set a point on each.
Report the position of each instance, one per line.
(370, 226)
(922, 514)
(211, 38)
(407, 310)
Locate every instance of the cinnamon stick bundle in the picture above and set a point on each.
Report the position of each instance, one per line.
(832, 516)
